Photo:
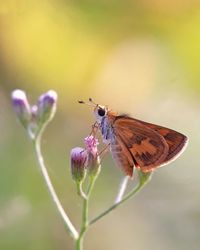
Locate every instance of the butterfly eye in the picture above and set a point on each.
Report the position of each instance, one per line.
(101, 112)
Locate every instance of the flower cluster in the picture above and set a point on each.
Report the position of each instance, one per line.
(33, 118)
(93, 160)
(85, 160)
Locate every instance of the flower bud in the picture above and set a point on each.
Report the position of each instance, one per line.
(21, 106)
(33, 125)
(34, 112)
(93, 160)
(78, 161)
(46, 106)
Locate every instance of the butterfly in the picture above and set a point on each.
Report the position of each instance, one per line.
(135, 143)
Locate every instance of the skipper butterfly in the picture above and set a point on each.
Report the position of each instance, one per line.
(135, 143)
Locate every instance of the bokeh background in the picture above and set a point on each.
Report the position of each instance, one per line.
(139, 57)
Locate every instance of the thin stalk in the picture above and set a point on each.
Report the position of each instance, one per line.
(85, 220)
(122, 189)
(70, 227)
(80, 190)
(131, 194)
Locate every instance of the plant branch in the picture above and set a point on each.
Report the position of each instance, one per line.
(122, 189)
(85, 221)
(131, 194)
(37, 146)
(80, 190)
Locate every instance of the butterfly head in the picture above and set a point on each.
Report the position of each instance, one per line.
(100, 112)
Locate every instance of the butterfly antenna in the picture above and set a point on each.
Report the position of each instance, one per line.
(81, 102)
(90, 103)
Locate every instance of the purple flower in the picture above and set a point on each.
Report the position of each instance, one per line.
(21, 106)
(47, 106)
(48, 98)
(91, 144)
(93, 160)
(78, 161)
(34, 112)
(35, 117)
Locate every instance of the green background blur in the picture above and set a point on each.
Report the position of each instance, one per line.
(140, 57)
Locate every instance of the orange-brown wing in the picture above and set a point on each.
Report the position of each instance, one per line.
(122, 156)
(175, 140)
(148, 148)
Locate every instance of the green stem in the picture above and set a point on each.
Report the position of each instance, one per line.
(132, 193)
(68, 223)
(122, 189)
(85, 221)
(80, 190)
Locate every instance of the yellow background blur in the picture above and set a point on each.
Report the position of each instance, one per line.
(139, 57)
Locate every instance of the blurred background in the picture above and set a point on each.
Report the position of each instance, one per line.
(138, 57)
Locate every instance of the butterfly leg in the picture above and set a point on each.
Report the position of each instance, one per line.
(95, 128)
(103, 152)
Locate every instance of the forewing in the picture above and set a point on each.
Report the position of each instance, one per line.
(175, 140)
(122, 156)
(147, 147)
